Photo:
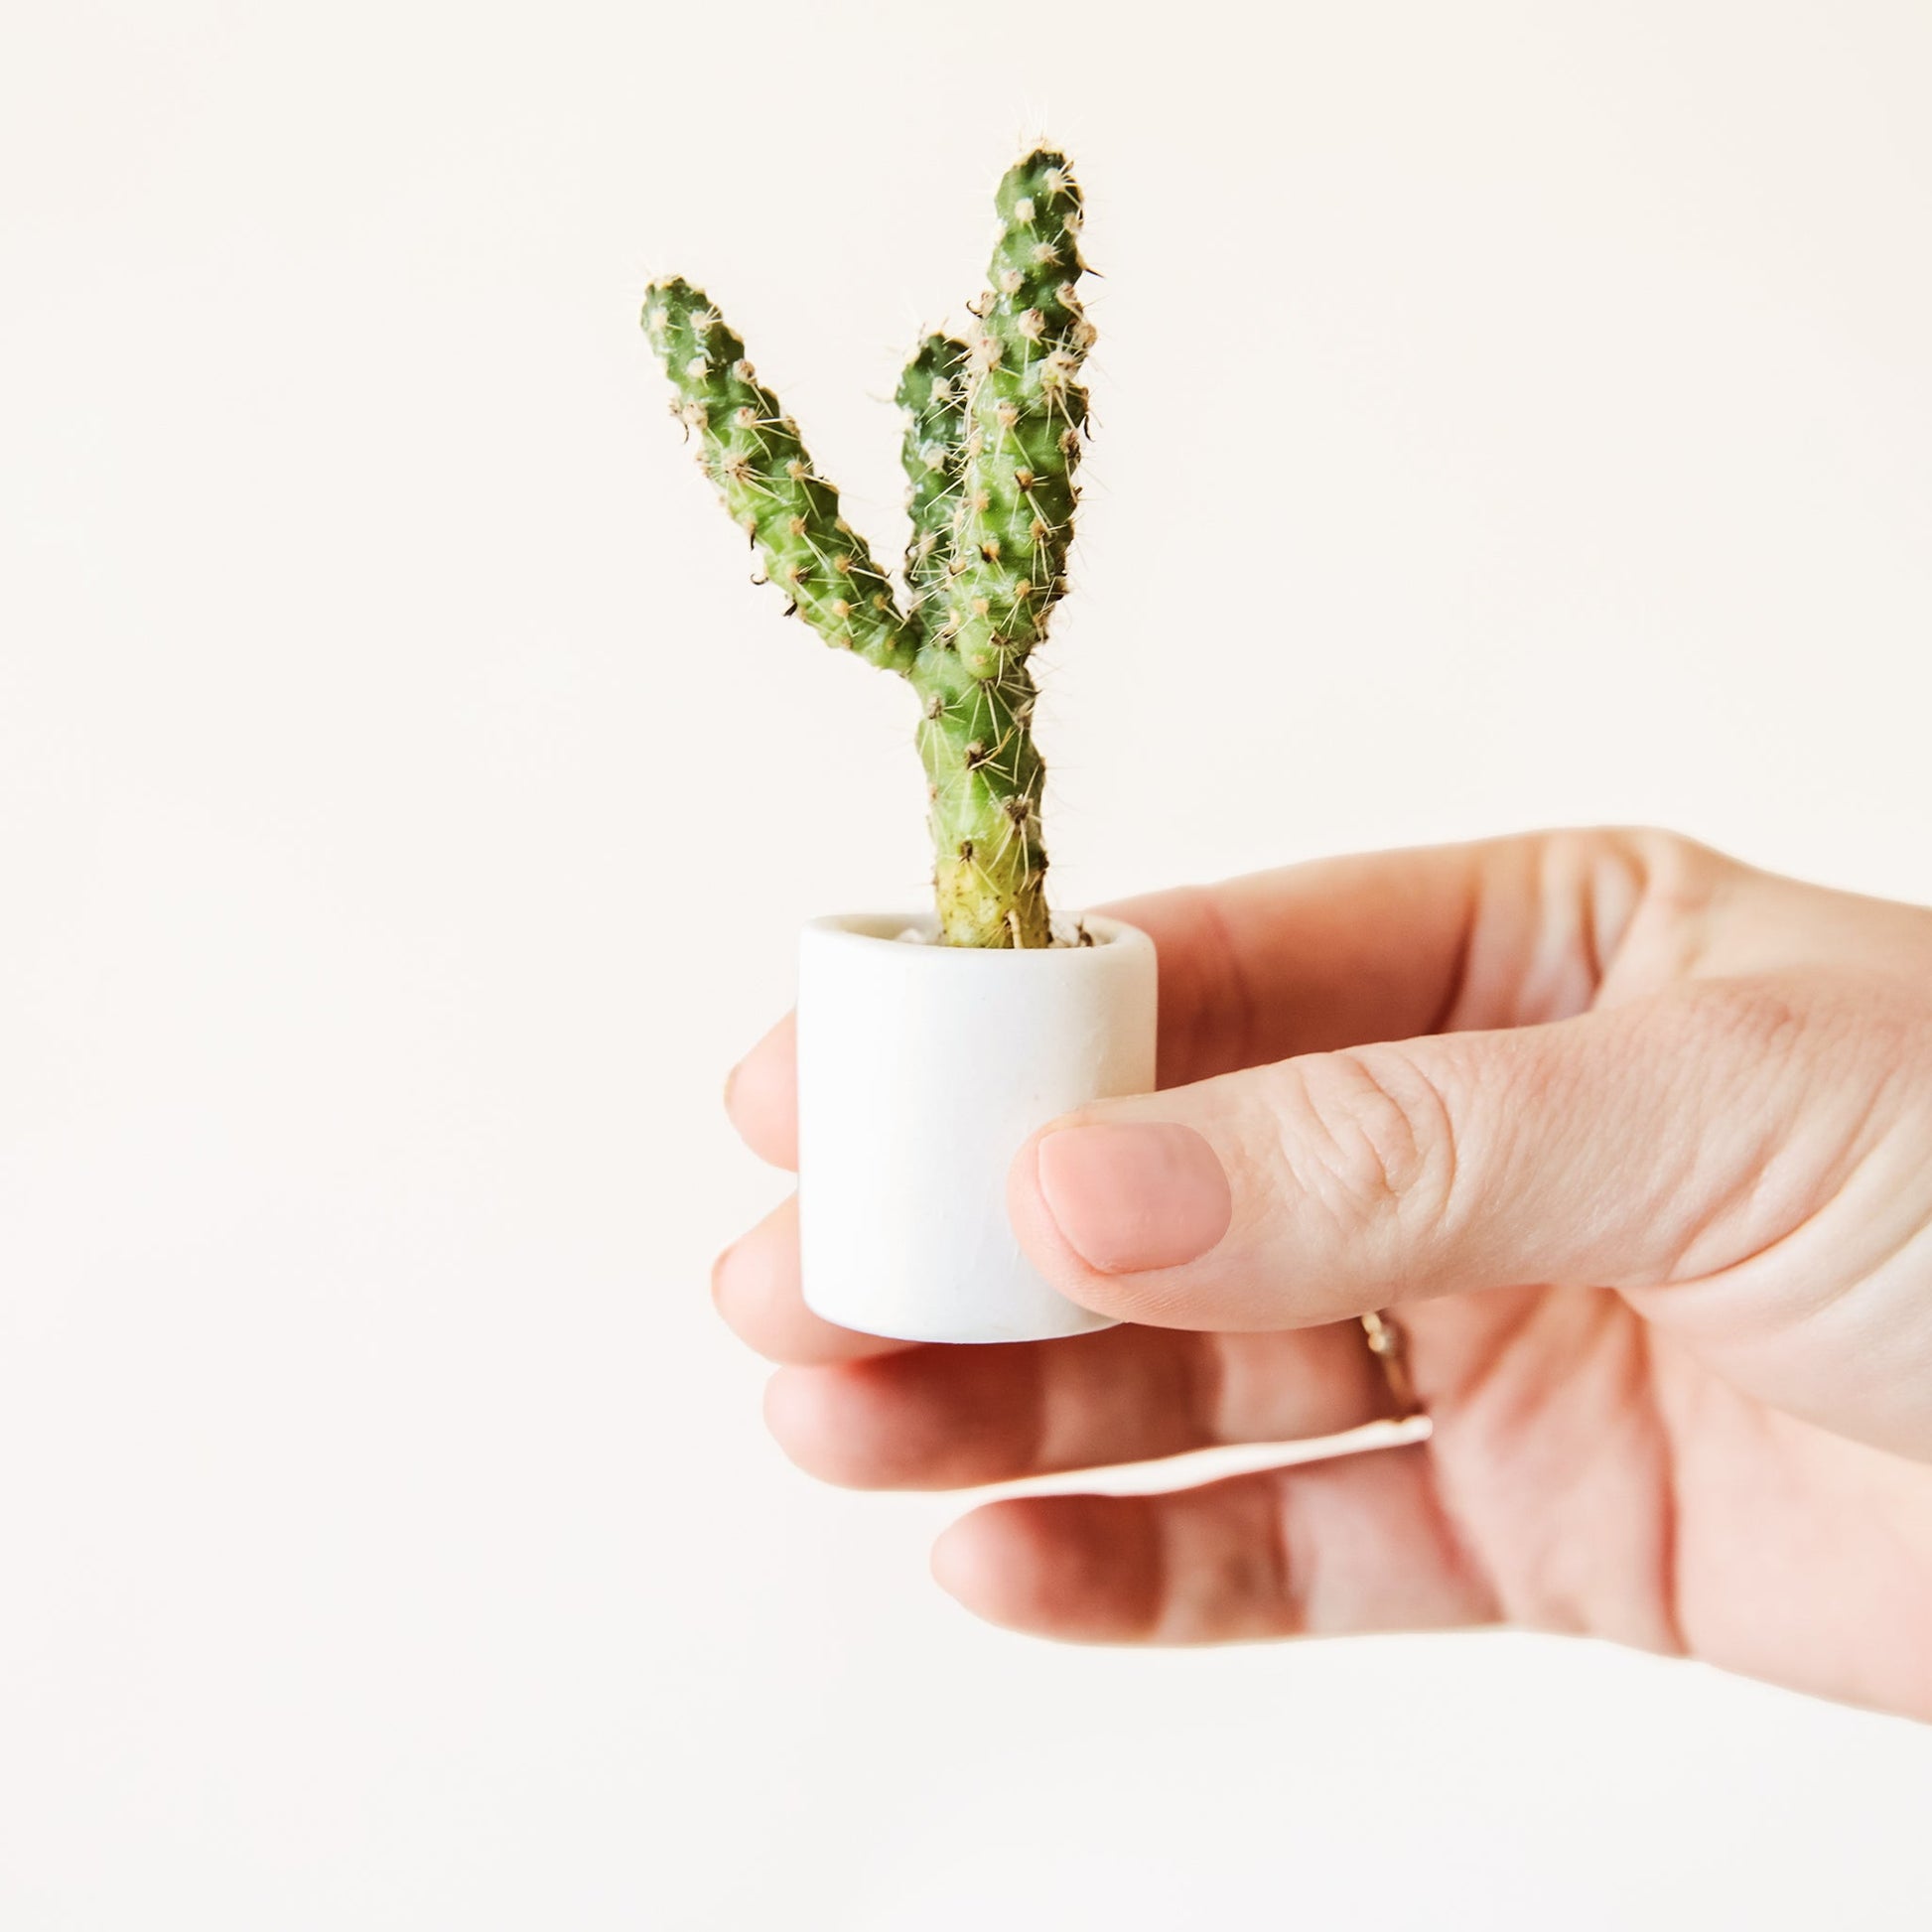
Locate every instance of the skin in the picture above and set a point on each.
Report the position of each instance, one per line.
(1637, 1143)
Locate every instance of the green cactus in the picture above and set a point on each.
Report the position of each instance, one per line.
(992, 433)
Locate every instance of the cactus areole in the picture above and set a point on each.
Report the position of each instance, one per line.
(992, 433)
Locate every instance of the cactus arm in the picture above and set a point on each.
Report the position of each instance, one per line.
(932, 396)
(1024, 410)
(752, 452)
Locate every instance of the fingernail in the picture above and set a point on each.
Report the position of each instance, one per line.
(1135, 1195)
(718, 1268)
(731, 1080)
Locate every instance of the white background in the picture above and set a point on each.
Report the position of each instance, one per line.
(1509, 414)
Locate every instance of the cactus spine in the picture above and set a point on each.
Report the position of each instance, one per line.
(993, 432)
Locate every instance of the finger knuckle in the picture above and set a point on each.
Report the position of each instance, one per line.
(1681, 878)
(1370, 1135)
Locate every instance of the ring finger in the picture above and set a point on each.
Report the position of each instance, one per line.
(939, 1418)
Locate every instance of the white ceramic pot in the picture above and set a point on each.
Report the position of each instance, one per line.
(922, 1070)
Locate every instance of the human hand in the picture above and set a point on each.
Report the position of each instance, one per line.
(1638, 1139)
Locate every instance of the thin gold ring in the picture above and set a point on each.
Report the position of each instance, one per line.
(1388, 1342)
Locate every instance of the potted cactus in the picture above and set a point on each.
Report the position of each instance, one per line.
(931, 1045)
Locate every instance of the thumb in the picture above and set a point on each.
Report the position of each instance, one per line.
(1620, 1148)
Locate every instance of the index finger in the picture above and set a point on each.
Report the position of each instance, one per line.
(761, 1096)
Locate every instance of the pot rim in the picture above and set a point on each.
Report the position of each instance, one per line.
(872, 929)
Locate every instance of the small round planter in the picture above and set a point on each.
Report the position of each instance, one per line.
(922, 1070)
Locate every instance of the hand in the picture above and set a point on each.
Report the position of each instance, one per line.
(1636, 1139)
